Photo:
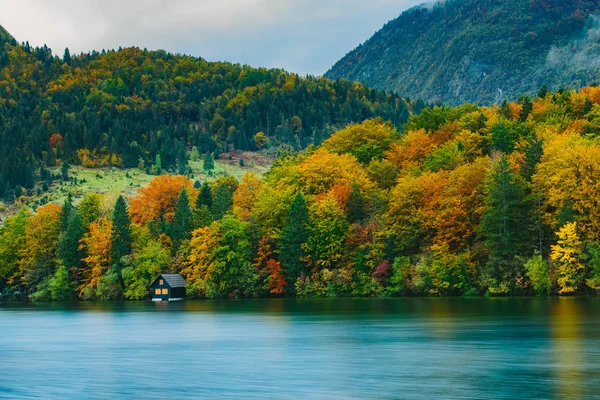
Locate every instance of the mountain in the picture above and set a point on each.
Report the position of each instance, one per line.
(134, 107)
(480, 50)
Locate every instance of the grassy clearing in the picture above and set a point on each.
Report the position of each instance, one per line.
(114, 181)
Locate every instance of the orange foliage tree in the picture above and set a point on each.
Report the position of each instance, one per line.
(159, 198)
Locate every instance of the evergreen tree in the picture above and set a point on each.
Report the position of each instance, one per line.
(67, 56)
(205, 198)
(66, 213)
(121, 232)
(527, 105)
(209, 162)
(222, 202)
(64, 170)
(182, 220)
(69, 251)
(293, 236)
(505, 225)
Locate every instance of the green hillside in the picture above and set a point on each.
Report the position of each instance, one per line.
(480, 50)
(135, 108)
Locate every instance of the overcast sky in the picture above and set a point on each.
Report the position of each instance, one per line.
(304, 36)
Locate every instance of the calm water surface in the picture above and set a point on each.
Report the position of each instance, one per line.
(529, 348)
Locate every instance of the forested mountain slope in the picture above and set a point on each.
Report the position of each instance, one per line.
(500, 200)
(480, 51)
(135, 107)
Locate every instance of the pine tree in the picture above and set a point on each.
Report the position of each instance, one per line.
(69, 250)
(209, 162)
(504, 225)
(205, 198)
(66, 213)
(121, 232)
(64, 170)
(67, 56)
(182, 220)
(222, 202)
(293, 236)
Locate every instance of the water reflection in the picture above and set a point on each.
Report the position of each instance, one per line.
(512, 348)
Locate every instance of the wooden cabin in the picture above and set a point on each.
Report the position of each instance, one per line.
(168, 287)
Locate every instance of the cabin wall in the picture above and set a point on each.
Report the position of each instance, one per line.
(157, 285)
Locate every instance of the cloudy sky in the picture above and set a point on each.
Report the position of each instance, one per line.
(304, 36)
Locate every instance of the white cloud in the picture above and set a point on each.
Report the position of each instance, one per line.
(305, 36)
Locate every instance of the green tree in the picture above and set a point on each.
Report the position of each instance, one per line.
(209, 162)
(69, 249)
(293, 236)
(504, 225)
(205, 197)
(89, 208)
(222, 201)
(12, 243)
(121, 232)
(182, 219)
(142, 268)
(60, 285)
(357, 205)
(537, 270)
(64, 170)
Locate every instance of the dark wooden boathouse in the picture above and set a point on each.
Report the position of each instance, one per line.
(168, 287)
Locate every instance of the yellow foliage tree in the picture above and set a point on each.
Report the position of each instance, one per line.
(566, 255)
(245, 196)
(97, 243)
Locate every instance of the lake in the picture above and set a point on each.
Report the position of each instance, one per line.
(409, 348)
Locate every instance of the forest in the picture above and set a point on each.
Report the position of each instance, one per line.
(467, 200)
(134, 108)
(459, 51)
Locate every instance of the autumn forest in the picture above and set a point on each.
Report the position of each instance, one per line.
(499, 200)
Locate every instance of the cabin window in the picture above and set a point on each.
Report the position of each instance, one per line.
(165, 291)
(157, 291)
(161, 282)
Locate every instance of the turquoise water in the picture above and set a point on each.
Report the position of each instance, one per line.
(422, 348)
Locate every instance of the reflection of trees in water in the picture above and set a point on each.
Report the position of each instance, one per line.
(569, 364)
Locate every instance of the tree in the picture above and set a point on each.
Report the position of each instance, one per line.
(66, 213)
(182, 220)
(567, 255)
(209, 162)
(158, 200)
(220, 264)
(97, 243)
(64, 170)
(327, 233)
(222, 201)
(366, 141)
(245, 196)
(356, 205)
(69, 251)
(67, 56)
(537, 271)
(120, 239)
(38, 257)
(293, 237)
(12, 243)
(142, 268)
(504, 224)
(60, 285)
(205, 197)
(90, 208)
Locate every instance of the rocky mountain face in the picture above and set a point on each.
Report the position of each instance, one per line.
(480, 51)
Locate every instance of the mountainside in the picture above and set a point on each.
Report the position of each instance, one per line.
(147, 109)
(480, 50)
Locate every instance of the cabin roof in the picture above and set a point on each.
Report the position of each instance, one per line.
(174, 280)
